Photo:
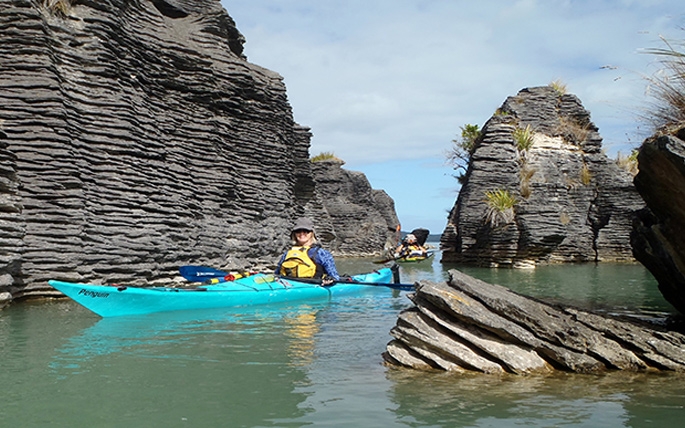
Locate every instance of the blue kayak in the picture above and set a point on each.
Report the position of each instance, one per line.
(258, 289)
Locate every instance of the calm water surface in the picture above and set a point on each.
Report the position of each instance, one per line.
(315, 364)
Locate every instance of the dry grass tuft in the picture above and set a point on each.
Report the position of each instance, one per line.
(667, 87)
(61, 8)
(585, 175)
(526, 174)
(326, 156)
(573, 131)
(628, 163)
(558, 86)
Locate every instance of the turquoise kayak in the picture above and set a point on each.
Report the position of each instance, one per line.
(258, 289)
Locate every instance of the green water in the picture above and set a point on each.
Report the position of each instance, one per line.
(316, 364)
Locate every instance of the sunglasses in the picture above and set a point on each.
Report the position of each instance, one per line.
(302, 231)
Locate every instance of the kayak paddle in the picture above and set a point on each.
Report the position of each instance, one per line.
(204, 273)
(396, 286)
(404, 287)
(200, 273)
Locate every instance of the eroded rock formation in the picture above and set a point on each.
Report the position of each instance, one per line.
(573, 204)
(362, 219)
(657, 238)
(467, 325)
(136, 137)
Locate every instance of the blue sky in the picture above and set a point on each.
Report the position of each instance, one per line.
(386, 84)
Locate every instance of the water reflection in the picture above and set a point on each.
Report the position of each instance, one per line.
(609, 400)
(248, 363)
(302, 329)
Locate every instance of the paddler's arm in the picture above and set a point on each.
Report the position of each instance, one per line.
(328, 264)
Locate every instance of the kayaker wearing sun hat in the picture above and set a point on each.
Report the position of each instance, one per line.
(410, 248)
(306, 258)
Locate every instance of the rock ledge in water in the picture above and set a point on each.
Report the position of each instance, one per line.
(466, 325)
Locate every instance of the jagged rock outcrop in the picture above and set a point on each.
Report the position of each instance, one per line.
(657, 238)
(362, 219)
(467, 325)
(573, 203)
(136, 137)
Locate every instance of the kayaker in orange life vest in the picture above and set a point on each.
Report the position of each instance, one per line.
(306, 259)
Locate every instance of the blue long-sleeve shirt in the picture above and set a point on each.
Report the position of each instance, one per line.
(325, 259)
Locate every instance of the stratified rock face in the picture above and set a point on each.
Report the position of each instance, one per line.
(135, 137)
(363, 220)
(573, 203)
(658, 239)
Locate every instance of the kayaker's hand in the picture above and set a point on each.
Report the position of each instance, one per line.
(327, 280)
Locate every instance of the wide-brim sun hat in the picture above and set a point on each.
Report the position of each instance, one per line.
(303, 223)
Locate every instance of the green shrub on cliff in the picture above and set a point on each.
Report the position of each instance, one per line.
(523, 138)
(462, 149)
(500, 207)
(500, 199)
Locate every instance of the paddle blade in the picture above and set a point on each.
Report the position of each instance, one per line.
(200, 273)
(265, 279)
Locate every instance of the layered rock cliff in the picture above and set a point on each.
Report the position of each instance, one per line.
(136, 137)
(657, 238)
(572, 204)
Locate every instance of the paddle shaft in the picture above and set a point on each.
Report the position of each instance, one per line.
(396, 286)
(202, 273)
(405, 287)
